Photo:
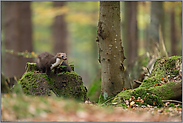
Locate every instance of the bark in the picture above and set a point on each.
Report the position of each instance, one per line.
(111, 55)
(131, 18)
(59, 31)
(25, 32)
(18, 36)
(156, 20)
(12, 38)
(173, 33)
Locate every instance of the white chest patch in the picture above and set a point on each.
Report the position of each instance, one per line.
(57, 63)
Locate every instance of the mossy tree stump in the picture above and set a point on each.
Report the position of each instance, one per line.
(67, 84)
(153, 90)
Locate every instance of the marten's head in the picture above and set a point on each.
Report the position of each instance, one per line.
(61, 56)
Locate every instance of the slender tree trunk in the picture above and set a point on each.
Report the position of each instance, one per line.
(131, 18)
(17, 27)
(25, 32)
(12, 38)
(60, 31)
(156, 20)
(111, 55)
(173, 33)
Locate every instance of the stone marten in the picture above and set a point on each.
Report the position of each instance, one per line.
(47, 62)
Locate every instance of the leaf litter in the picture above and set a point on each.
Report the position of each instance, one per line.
(16, 108)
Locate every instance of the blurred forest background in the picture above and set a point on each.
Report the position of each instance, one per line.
(29, 28)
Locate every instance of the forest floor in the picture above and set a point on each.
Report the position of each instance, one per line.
(21, 108)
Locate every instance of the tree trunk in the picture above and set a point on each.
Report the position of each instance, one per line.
(25, 33)
(131, 19)
(17, 27)
(173, 33)
(111, 55)
(59, 31)
(156, 20)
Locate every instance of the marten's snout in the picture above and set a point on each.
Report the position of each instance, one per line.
(62, 56)
(65, 58)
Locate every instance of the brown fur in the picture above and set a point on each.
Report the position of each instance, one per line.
(45, 60)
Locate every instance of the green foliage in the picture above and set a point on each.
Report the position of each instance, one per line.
(94, 90)
(123, 105)
(42, 18)
(25, 54)
(17, 88)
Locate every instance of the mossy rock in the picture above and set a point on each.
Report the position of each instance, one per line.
(35, 83)
(154, 94)
(163, 67)
(69, 84)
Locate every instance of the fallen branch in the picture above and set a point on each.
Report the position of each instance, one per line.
(107, 101)
(172, 101)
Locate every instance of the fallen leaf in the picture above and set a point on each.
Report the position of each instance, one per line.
(132, 103)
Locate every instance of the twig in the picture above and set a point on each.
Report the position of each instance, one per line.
(107, 101)
(148, 71)
(138, 82)
(172, 101)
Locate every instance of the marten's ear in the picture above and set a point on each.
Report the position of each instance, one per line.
(57, 54)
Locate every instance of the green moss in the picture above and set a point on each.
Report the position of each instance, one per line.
(153, 100)
(139, 92)
(172, 105)
(71, 73)
(31, 67)
(30, 80)
(165, 64)
(162, 67)
(35, 86)
(179, 106)
(164, 91)
(149, 82)
(125, 94)
(31, 83)
(70, 90)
